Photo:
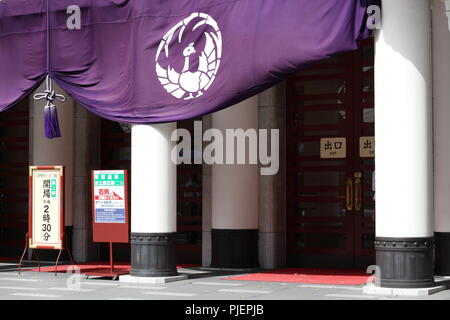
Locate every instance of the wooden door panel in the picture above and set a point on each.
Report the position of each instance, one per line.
(14, 128)
(364, 125)
(318, 106)
(331, 99)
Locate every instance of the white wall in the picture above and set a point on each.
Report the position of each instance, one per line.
(235, 187)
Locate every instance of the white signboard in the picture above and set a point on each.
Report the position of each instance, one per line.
(47, 206)
(109, 196)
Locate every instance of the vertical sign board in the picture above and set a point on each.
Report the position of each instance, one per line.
(46, 209)
(110, 206)
(367, 147)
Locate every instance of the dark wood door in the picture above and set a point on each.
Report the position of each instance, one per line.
(330, 129)
(14, 137)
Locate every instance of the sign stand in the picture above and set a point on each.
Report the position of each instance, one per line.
(109, 215)
(111, 257)
(23, 255)
(46, 212)
(37, 257)
(63, 237)
(112, 272)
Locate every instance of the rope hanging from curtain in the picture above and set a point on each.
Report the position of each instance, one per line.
(51, 123)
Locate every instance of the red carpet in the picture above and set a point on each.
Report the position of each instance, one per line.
(306, 275)
(90, 266)
(85, 267)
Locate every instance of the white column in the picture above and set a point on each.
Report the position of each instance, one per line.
(59, 151)
(235, 194)
(403, 117)
(235, 187)
(403, 121)
(441, 115)
(153, 179)
(153, 200)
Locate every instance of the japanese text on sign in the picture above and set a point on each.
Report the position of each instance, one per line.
(109, 196)
(333, 148)
(367, 147)
(46, 208)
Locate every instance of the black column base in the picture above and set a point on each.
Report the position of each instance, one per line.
(405, 262)
(442, 253)
(153, 255)
(234, 248)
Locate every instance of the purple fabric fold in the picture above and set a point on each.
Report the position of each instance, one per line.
(142, 61)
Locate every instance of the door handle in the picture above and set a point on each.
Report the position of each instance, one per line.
(349, 194)
(358, 191)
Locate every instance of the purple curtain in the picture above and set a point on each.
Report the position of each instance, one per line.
(148, 61)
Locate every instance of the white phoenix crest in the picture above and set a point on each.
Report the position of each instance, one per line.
(184, 84)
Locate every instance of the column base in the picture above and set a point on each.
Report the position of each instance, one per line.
(233, 248)
(442, 253)
(152, 280)
(403, 292)
(153, 255)
(405, 262)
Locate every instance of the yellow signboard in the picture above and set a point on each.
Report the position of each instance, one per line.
(367, 147)
(333, 148)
